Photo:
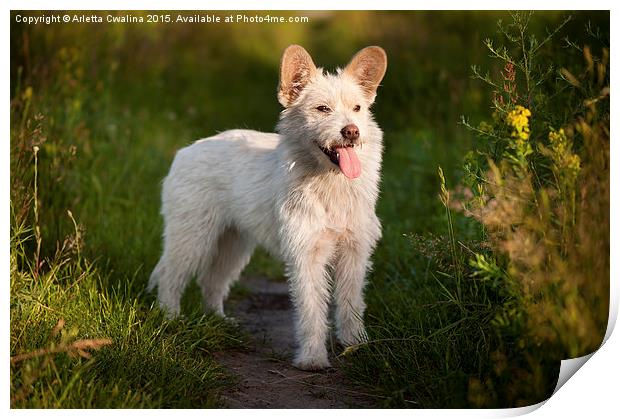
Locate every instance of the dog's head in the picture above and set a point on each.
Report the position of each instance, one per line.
(329, 114)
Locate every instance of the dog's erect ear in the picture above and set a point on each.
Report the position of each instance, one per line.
(368, 68)
(296, 70)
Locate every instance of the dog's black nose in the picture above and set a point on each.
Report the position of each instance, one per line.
(351, 132)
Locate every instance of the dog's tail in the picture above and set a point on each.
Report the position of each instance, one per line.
(155, 276)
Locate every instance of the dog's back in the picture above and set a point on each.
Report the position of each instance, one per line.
(234, 175)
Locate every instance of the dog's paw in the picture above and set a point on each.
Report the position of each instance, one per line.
(312, 363)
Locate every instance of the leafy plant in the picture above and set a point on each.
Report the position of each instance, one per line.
(539, 182)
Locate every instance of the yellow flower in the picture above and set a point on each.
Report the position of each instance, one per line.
(562, 154)
(518, 119)
(557, 137)
(573, 164)
(27, 93)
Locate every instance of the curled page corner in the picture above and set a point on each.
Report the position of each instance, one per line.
(568, 368)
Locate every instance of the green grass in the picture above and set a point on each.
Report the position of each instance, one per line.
(151, 362)
(109, 108)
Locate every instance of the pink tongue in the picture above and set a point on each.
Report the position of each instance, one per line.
(348, 162)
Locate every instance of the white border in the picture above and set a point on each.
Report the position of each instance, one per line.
(301, 5)
(593, 392)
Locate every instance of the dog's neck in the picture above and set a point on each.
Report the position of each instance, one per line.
(305, 171)
(295, 154)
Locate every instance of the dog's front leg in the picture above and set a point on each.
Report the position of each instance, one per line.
(349, 281)
(310, 291)
(350, 268)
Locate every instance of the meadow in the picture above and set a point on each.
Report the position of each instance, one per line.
(489, 272)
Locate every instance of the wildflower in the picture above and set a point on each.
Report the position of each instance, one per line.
(558, 141)
(510, 88)
(27, 93)
(573, 163)
(509, 73)
(565, 162)
(518, 119)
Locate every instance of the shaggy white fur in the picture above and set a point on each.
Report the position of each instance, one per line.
(306, 194)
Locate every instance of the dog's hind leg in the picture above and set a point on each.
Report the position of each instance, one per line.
(189, 244)
(155, 275)
(232, 254)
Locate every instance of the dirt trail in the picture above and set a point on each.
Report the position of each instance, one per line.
(267, 378)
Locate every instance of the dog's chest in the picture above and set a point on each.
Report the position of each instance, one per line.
(344, 206)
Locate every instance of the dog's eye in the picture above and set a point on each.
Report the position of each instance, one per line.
(357, 108)
(323, 108)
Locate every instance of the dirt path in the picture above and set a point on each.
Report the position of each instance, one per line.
(267, 379)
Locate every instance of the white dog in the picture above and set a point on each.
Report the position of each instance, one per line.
(306, 194)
